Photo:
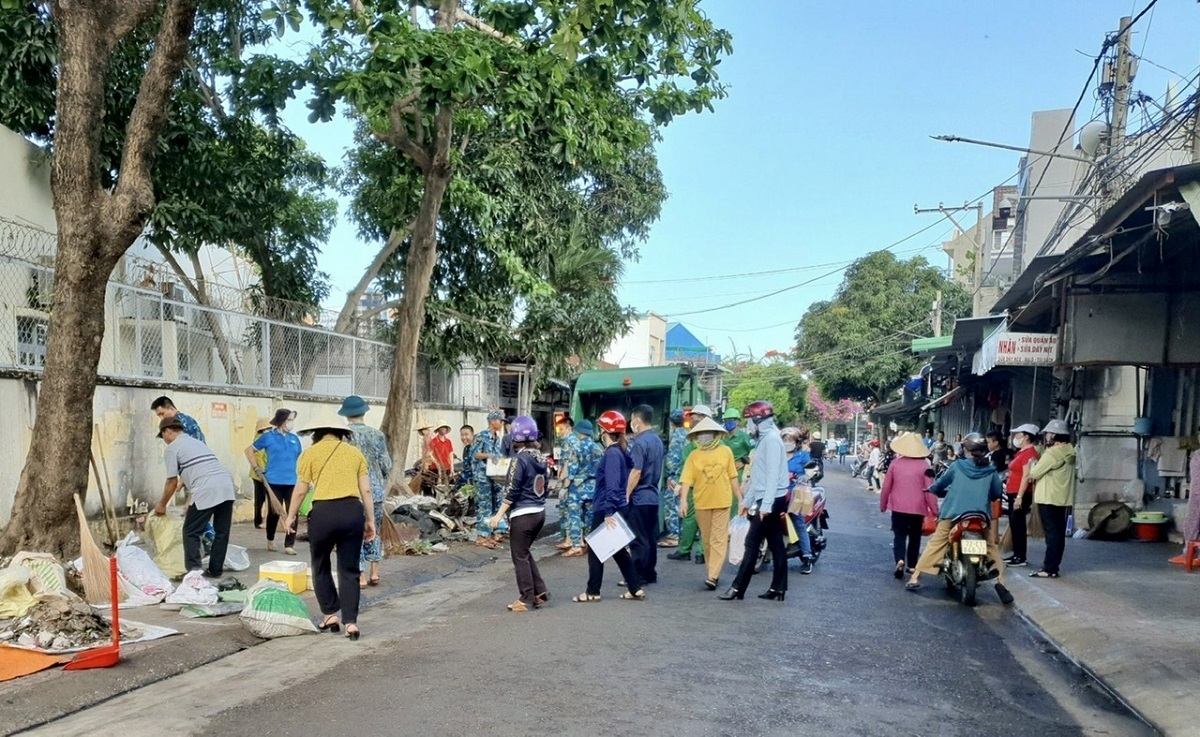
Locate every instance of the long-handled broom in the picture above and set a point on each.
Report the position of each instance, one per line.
(95, 562)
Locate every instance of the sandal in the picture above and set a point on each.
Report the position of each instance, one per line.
(899, 572)
(485, 542)
(331, 623)
(573, 553)
(912, 586)
(1043, 574)
(541, 598)
(565, 545)
(670, 542)
(710, 584)
(373, 581)
(586, 598)
(640, 595)
(518, 606)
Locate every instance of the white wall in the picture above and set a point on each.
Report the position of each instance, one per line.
(26, 182)
(644, 344)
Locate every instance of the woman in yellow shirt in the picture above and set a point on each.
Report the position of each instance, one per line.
(342, 517)
(711, 476)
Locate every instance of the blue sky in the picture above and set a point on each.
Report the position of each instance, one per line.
(821, 149)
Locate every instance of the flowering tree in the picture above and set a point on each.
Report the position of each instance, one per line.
(825, 411)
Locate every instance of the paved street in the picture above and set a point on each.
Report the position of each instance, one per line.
(850, 652)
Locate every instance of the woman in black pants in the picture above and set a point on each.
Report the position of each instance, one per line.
(342, 517)
(526, 497)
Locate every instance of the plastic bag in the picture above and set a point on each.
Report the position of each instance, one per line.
(167, 535)
(792, 537)
(140, 578)
(273, 611)
(237, 558)
(739, 527)
(46, 573)
(306, 505)
(15, 597)
(194, 589)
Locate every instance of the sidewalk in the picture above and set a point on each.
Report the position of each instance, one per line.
(1125, 615)
(52, 694)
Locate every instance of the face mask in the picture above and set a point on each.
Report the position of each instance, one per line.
(730, 425)
(752, 428)
(705, 438)
(789, 447)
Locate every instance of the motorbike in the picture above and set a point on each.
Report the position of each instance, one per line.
(858, 467)
(813, 523)
(966, 562)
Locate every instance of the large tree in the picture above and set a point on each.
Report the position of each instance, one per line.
(775, 379)
(566, 81)
(198, 156)
(856, 344)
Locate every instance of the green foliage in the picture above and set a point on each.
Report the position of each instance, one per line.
(777, 381)
(855, 345)
(226, 173)
(555, 179)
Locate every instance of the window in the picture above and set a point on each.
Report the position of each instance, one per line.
(31, 342)
(1000, 239)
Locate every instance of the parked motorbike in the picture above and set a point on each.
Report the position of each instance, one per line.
(966, 563)
(858, 467)
(813, 524)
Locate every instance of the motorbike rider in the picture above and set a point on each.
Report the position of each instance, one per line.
(798, 458)
(971, 484)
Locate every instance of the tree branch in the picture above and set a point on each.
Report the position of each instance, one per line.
(347, 318)
(179, 272)
(206, 91)
(134, 194)
(463, 16)
(398, 137)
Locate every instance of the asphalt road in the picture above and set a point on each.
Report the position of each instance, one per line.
(849, 653)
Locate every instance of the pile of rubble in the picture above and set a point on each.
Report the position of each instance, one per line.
(61, 624)
(425, 523)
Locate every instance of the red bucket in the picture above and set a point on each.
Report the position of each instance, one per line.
(1150, 531)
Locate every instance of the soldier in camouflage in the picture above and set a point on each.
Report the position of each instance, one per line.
(674, 467)
(583, 486)
(568, 447)
(488, 493)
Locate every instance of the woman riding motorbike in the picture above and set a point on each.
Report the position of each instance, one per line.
(971, 484)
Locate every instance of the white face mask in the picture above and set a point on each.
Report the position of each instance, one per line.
(752, 428)
(789, 447)
(705, 438)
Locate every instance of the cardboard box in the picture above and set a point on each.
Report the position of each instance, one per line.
(293, 574)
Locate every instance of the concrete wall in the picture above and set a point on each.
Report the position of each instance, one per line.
(26, 182)
(126, 437)
(644, 344)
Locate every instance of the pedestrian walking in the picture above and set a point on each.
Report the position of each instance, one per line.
(257, 461)
(283, 449)
(874, 460)
(612, 477)
(971, 484)
(586, 458)
(1020, 492)
(191, 464)
(709, 478)
(487, 491)
(373, 444)
(525, 507)
(674, 463)
(647, 451)
(1054, 474)
(764, 502)
(163, 408)
(904, 495)
(843, 450)
(689, 538)
(566, 455)
(342, 518)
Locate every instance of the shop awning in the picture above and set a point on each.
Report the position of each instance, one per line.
(946, 398)
(896, 410)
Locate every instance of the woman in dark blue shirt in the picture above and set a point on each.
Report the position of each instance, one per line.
(612, 475)
(525, 506)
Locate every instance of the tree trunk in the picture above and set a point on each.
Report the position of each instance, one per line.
(418, 272)
(95, 228)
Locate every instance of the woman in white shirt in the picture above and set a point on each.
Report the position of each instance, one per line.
(874, 458)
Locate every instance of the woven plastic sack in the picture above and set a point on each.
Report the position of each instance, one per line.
(273, 611)
(739, 527)
(15, 597)
(194, 589)
(136, 571)
(46, 573)
(166, 533)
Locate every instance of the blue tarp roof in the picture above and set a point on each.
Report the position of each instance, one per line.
(682, 345)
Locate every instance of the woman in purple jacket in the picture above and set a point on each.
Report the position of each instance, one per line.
(905, 497)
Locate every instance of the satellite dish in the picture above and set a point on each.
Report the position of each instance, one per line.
(1090, 136)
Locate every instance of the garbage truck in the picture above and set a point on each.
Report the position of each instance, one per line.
(662, 387)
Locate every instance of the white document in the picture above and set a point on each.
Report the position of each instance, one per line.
(605, 541)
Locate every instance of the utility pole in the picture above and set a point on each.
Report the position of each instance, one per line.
(1120, 75)
(937, 315)
(976, 241)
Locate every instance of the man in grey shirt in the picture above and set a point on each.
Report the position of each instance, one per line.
(192, 464)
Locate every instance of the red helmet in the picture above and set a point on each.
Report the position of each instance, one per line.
(874, 442)
(612, 421)
(759, 410)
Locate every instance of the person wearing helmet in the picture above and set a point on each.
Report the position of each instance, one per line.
(689, 529)
(816, 448)
(971, 484)
(798, 459)
(764, 501)
(738, 441)
(674, 463)
(647, 451)
(1055, 476)
(611, 501)
(1019, 491)
(525, 507)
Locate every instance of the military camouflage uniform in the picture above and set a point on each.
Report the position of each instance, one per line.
(674, 468)
(488, 493)
(570, 448)
(583, 487)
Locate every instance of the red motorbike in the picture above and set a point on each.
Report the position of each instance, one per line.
(966, 562)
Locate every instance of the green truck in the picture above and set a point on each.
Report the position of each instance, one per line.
(664, 388)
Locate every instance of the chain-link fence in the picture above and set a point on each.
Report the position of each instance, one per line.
(155, 330)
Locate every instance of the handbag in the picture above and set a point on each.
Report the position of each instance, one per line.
(929, 525)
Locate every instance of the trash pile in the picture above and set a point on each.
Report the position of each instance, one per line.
(65, 623)
(423, 524)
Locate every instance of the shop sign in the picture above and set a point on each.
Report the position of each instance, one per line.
(1026, 349)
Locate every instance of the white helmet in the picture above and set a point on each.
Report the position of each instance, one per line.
(702, 409)
(1056, 427)
(1028, 428)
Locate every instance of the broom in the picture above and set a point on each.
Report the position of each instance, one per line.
(389, 536)
(95, 562)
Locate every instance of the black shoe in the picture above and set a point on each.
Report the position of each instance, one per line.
(1015, 563)
(731, 594)
(710, 584)
(806, 568)
(678, 556)
(699, 559)
(773, 595)
(1005, 595)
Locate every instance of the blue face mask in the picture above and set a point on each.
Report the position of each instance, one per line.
(730, 425)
